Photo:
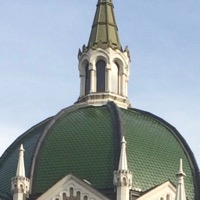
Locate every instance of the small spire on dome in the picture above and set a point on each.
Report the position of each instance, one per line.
(180, 172)
(123, 177)
(21, 148)
(123, 158)
(20, 166)
(180, 190)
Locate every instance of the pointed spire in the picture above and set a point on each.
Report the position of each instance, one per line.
(20, 185)
(123, 158)
(104, 32)
(20, 166)
(180, 190)
(123, 177)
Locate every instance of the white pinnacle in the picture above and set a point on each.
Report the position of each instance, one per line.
(20, 166)
(180, 190)
(123, 158)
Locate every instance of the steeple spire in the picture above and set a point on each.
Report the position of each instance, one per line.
(104, 32)
(180, 190)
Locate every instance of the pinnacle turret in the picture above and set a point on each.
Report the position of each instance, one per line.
(123, 176)
(20, 184)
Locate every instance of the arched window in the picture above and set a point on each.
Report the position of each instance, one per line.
(168, 197)
(85, 197)
(22, 188)
(101, 70)
(87, 79)
(124, 181)
(115, 78)
(71, 191)
(78, 195)
(64, 196)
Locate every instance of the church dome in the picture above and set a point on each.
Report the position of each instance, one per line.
(100, 144)
(85, 141)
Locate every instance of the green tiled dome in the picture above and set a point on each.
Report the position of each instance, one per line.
(85, 141)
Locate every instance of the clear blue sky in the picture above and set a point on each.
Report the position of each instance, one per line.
(39, 42)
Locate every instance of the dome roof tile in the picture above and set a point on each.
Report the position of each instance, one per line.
(85, 141)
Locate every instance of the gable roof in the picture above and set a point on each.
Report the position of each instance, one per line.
(162, 190)
(78, 185)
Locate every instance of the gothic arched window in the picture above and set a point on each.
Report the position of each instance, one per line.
(85, 197)
(64, 196)
(78, 196)
(115, 78)
(101, 70)
(71, 191)
(168, 197)
(87, 79)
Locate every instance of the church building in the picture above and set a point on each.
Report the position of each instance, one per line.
(100, 148)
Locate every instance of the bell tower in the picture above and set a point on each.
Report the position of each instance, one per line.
(103, 65)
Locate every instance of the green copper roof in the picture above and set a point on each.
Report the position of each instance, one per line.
(78, 151)
(85, 141)
(104, 32)
(153, 151)
(5, 196)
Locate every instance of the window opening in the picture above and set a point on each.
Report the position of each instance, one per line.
(64, 196)
(87, 79)
(78, 195)
(115, 78)
(71, 192)
(168, 197)
(101, 69)
(85, 197)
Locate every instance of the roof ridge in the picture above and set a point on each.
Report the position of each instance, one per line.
(117, 129)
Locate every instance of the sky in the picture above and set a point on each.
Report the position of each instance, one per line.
(39, 42)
